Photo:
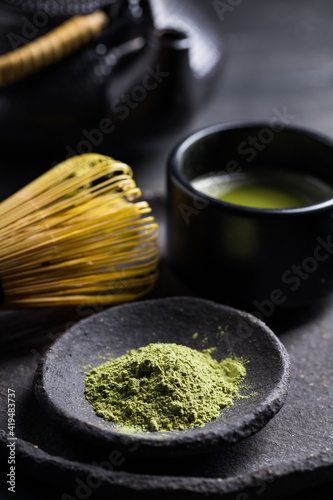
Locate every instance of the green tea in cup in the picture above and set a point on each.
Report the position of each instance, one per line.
(269, 189)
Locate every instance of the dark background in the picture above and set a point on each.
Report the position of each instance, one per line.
(278, 56)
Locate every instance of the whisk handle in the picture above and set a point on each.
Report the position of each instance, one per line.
(52, 47)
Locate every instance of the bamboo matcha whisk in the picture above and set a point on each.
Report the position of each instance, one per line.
(77, 235)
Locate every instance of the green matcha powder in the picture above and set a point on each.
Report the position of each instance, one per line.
(164, 387)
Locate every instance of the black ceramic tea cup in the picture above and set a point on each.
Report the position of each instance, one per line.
(260, 259)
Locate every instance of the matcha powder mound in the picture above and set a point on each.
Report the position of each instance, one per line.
(163, 387)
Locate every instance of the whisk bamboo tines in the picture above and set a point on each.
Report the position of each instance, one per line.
(77, 235)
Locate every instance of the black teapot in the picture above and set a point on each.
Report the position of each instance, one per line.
(140, 80)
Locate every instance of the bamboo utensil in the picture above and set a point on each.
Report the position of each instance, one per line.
(77, 235)
(52, 47)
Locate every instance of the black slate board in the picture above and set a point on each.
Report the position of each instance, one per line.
(294, 451)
